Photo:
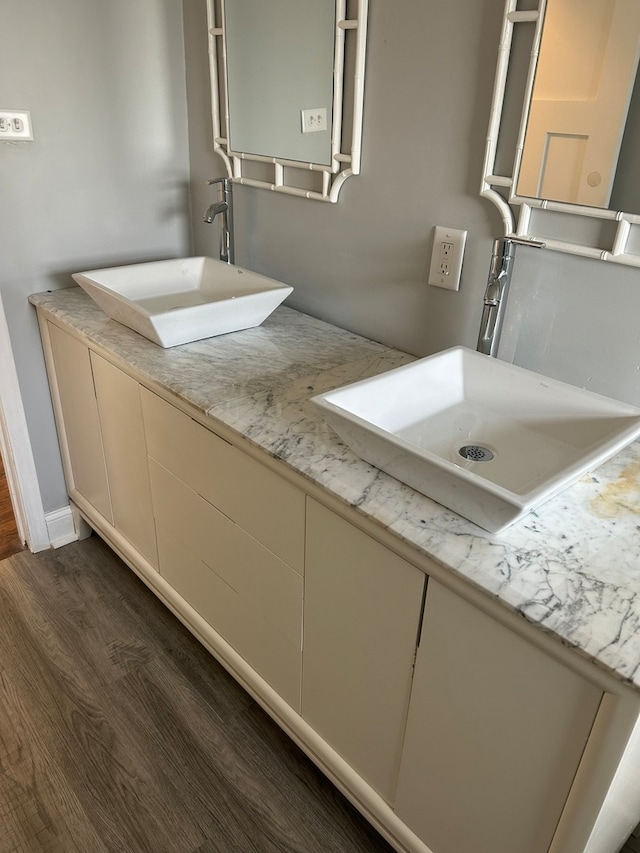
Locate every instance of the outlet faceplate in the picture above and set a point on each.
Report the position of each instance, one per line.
(314, 121)
(15, 125)
(446, 257)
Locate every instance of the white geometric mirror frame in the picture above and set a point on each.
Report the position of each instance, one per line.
(519, 212)
(317, 181)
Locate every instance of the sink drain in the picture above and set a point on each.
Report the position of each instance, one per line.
(476, 453)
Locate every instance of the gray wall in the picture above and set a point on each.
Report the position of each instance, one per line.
(362, 263)
(106, 179)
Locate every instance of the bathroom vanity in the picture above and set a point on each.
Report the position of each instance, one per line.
(470, 693)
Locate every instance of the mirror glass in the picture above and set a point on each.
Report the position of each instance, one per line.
(279, 63)
(580, 133)
(563, 143)
(287, 84)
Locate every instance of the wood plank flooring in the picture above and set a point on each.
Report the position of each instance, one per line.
(119, 732)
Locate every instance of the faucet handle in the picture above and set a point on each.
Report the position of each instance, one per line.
(516, 240)
(226, 187)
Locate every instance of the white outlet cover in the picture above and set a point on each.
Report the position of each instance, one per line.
(314, 121)
(15, 126)
(449, 280)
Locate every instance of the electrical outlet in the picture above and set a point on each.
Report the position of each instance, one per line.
(16, 125)
(446, 257)
(314, 121)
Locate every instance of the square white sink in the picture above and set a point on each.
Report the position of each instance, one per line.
(527, 437)
(184, 299)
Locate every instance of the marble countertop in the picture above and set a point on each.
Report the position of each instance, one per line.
(572, 567)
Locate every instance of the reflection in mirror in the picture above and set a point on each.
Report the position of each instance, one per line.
(279, 64)
(287, 79)
(583, 85)
(579, 99)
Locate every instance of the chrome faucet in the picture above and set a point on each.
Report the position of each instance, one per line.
(223, 208)
(495, 295)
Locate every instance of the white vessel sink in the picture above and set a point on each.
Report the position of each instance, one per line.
(527, 437)
(185, 299)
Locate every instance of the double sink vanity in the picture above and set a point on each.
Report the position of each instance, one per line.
(468, 691)
(471, 689)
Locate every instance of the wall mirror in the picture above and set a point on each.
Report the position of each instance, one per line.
(562, 161)
(287, 84)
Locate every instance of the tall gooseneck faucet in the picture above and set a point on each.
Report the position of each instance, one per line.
(495, 295)
(224, 209)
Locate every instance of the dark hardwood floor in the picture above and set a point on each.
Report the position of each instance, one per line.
(119, 732)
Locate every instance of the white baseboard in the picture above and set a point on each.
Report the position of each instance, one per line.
(61, 527)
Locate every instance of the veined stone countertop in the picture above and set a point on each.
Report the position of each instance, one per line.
(572, 567)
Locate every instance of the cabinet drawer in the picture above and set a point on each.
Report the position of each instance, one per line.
(246, 593)
(261, 502)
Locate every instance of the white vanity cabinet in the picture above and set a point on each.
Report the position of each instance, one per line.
(230, 541)
(495, 733)
(361, 620)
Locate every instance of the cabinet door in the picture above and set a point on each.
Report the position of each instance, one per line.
(125, 452)
(78, 421)
(361, 615)
(495, 733)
